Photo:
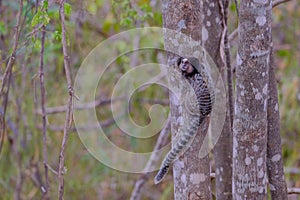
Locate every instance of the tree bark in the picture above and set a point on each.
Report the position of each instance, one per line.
(191, 173)
(250, 121)
(276, 178)
(223, 148)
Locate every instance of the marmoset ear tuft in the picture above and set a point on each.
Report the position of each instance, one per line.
(178, 61)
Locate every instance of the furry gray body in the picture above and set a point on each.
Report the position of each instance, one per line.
(200, 82)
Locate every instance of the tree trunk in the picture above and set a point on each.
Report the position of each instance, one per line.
(276, 178)
(191, 173)
(223, 148)
(250, 121)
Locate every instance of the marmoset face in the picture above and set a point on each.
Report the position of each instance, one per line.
(186, 67)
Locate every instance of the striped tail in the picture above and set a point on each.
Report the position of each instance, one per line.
(161, 174)
(177, 149)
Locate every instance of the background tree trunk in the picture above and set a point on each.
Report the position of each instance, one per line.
(250, 121)
(276, 178)
(191, 174)
(223, 148)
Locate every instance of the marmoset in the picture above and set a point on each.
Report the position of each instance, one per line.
(200, 81)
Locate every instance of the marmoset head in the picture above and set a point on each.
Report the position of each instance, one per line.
(188, 66)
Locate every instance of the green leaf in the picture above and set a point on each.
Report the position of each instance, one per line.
(126, 21)
(68, 8)
(45, 4)
(148, 16)
(53, 14)
(37, 44)
(57, 35)
(232, 7)
(3, 30)
(283, 53)
(92, 8)
(146, 8)
(41, 17)
(132, 13)
(36, 19)
(46, 18)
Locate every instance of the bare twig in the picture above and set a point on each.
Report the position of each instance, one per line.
(43, 100)
(4, 91)
(52, 170)
(23, 86)
(89, 105)
(15, 127)
(35, 30)
(93, 24)
(237, 8)
(154, 101)
(225, 52)
(69, 113)
(19, 183)
(233, 35)
(161, 141)
(103, 124)
(79, 24)
(15, 149)
(295, 171)
(100, 102)
(278, 2)
(33, 172)
(36, 5)
(223, 148)
(134, 57)
(293, 190)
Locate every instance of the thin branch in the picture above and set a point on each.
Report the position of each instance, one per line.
(295, 171)
(36, 6)
(21, 44)
(43, 100)
(4, 91)
(161, 141)
(154, 101)
(100, 102)
(103, 124)
(93, 24)
(35, 31)
(223, 148)
(275, 3)
(23, 114)
(233, 35)
(278, 2)
(293, 190)
(16, 150)
(89, 105)
(225, 51)
(237, 8)
(20, 123)
(134, 57)
(33, 172)
(69, 113)
(52, 170)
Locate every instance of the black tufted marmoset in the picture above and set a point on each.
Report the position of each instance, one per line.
(199, 79)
